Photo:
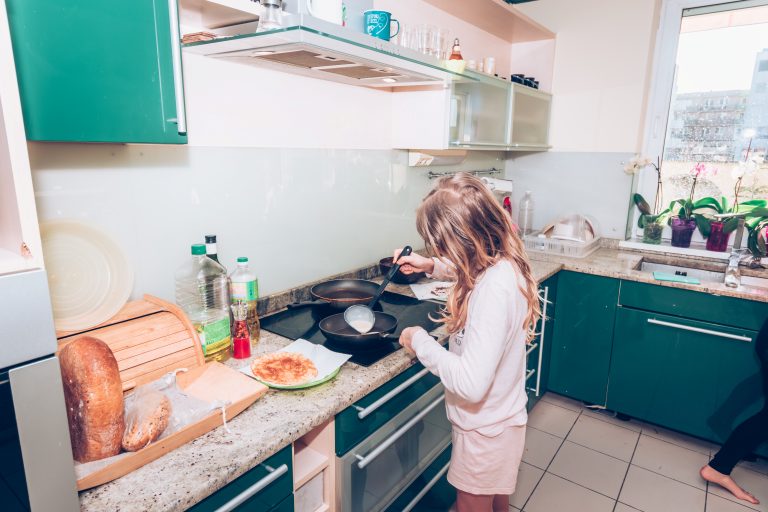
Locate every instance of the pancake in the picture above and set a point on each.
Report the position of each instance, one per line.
(284, 368)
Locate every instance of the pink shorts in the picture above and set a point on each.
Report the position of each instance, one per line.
(486, 465)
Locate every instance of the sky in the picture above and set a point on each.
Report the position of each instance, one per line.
(721, 59)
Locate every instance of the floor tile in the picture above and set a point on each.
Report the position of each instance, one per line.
(650, 492)
(760, 465)
(621, 507)
(610, 417)
(670, 460)
(562, 401)
(718, 504)
(751, 481)
(679, 439)
(540, 447)
(556, 494)
(590, 469)
(527, 479)
(604, 437)
(552, 419)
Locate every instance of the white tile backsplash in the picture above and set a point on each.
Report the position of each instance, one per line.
(298, 214)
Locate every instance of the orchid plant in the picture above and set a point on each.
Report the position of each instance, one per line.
(634, 166)
(688, 206)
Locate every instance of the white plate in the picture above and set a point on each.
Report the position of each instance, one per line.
(88, 275)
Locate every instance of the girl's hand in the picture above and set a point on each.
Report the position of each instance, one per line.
(406, 338)
(414, 263)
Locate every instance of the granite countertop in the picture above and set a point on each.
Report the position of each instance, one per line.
(188, 474)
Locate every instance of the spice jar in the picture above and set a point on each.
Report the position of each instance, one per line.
(241, 339)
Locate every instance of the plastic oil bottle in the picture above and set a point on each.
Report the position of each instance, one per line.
(245, 288)
(202, 291)
(525, 218)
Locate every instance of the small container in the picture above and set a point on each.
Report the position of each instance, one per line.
(518, 79)
(528, 81)
(652, 232)
(241, 337)
(489, 65)
(525, 217)
(718, 238)
(682, 230)
(535, 84)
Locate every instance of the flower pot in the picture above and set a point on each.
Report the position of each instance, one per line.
(652, 233)
(682, 230)
(718, 239)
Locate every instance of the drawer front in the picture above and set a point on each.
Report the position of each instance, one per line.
(284, 506)
(747, 314)
(266, 497)
(365, 416)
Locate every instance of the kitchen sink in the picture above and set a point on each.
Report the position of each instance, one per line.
(710, 276)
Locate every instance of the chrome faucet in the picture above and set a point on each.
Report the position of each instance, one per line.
(732, 273)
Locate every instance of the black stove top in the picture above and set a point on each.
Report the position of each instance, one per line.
(303, 323)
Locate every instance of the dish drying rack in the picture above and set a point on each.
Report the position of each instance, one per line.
(558, 247)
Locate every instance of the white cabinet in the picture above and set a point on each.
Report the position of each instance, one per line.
(20, 247)
(484, 113)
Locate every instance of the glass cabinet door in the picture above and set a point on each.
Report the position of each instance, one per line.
(530, 117)
(479, 113)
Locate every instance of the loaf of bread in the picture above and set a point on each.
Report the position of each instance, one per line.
(94, 398)
(147, 418)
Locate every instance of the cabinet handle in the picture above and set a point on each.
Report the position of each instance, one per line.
(543, 333)
(699, 329)
(367, 411)
(178, 75)
(427, 488)
(247, 494)
(363, 461)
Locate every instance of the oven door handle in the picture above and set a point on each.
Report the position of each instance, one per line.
(363, 461)
(274, 474)
(415, 501)
(363, 413)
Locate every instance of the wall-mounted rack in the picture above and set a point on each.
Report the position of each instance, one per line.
(484, 172)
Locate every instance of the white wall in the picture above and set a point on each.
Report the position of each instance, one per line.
(602, 65)
(298, 214)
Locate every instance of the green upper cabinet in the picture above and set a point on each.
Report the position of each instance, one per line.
(99, 71)
(583, 336)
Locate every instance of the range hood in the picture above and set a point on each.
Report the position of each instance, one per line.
(312, 47)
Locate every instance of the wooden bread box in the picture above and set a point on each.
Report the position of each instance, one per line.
(149, 338)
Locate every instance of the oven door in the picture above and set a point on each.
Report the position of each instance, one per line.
(378, 469)
(37, 472)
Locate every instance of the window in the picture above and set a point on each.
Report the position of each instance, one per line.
(709, 56)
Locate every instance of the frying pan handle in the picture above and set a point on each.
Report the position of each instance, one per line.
(294, 305)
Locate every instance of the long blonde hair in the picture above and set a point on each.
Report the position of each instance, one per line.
(460, 220)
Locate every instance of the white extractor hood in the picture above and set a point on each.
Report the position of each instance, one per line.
(312, 47)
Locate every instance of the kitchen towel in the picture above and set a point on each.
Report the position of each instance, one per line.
(433, 290)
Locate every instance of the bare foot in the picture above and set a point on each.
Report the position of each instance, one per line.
(711, 475)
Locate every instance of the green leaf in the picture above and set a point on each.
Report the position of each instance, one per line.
(709, 203)
(731, 225)
(703, 224)
(642, 204)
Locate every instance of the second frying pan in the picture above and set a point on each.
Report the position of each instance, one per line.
(339, 294)
(336, 329)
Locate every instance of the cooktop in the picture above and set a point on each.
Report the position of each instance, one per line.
(303, 322)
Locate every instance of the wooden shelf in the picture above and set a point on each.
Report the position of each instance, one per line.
(307, 463)
(498, 18)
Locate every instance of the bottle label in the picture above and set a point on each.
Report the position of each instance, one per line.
(215, 336)
(245, 291)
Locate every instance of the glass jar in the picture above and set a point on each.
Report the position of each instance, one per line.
(718, 238)
(652, 231)
(682, 230)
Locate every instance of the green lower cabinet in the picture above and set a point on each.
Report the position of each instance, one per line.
(673, 371)
(276, 495)
(96, 71)
(583, 336)
(430, 492)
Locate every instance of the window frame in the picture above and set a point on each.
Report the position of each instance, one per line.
(663, 70)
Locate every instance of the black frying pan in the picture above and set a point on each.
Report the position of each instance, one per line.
(339, 294)
(336, 329)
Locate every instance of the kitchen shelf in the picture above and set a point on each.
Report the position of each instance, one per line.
(496, 17)
(313, 47)
(307, 463)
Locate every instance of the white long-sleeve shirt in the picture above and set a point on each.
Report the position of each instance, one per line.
(483, 370)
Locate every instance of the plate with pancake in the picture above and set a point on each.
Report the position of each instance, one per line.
(299, 365)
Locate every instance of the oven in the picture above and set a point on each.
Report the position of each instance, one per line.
(373, 473)
(37, 471)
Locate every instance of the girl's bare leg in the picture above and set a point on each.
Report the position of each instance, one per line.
(501, 503)
(466, 502)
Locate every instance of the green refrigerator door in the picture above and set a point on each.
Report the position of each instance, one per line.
(99, 70)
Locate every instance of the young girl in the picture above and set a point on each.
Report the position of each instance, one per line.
(490, 314)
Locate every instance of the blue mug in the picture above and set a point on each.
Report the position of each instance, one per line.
(379, 23)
